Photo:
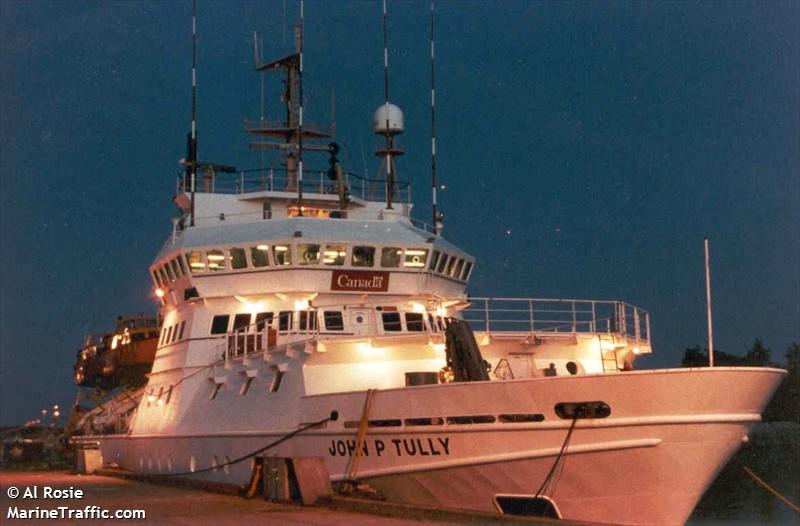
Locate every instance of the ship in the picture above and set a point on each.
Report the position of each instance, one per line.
(307, 313)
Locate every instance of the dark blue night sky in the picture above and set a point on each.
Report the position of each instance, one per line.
(608, 138)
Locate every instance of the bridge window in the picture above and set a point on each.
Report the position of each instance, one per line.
(442, 263)
(168, 339)
(219, 324)
(282, 254)
(390, 257)
(195, 261)
(309, 254)
(333, 320)
(285, 320)
(259, 255)
(434, 260)
(175, 269)
(457, 272)
(182, 266)
(451, 264)
(169, 271)
(467, 270)
(216, 260)
(334, 255)
(180, 332)
(156, 278)
(238, 258)
(391, 322)
(241, 321)
(263, 319)
(363, 256)
(414, 322)
(416, 257)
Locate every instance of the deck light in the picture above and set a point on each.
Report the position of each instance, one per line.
(160, 293)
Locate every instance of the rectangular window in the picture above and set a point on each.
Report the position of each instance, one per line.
(451, 264)
(416, 257)
(334, 255)
(216, 260)
(391, 321)
(308, 253)
(168, 339)
(241, 321)
(466, 271)
(260, 255)
(434, 260)
(282, 254)
(333, 320)
(238, 259)
(195, 261)
(219, 325)
(390, 257)
(363, 256)
(175, 333)
(285, 320)
(175, 268)
(457, 272)
(181, 265)
(308, 320)
(168, 269)
(414, 322)
(263, 320)
(163, 334)
(180, 332)
(156, 278)
(442, 263)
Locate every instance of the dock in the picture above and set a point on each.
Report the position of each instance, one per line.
(176, 505)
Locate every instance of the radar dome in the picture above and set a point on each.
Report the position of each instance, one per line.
(391, 115)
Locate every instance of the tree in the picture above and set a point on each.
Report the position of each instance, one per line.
(758, 355)
(793, 359)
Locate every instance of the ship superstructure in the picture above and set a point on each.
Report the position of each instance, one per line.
(288, 293)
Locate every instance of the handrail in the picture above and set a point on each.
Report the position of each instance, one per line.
(280, 180)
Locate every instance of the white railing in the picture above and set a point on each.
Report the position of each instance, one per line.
(544, 315)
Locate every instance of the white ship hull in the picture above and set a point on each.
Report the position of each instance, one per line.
(649, 462)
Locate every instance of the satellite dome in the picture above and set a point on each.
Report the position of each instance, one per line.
(391, 113)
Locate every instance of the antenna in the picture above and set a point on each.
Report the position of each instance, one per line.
(193, 137)
(433, 129)
(300, 120)
(389, 175)
(708, 307)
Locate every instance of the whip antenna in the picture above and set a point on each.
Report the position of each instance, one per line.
(389, 175)
(300, 120)
(193, 136)
(433, 129)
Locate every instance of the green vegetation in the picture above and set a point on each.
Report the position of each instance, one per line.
(785, 405)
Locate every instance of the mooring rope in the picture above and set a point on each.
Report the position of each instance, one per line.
(332, 418)
(769, 488)
(352, 464)
(549, 476)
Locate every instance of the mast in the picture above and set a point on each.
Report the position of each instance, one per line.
(433, 128)
(708, 306)
(389, 175)
(300, 119)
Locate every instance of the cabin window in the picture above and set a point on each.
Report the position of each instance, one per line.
(451, 264)
(181, 264)
(175, 269)
(434, 260)
(416, 257)
(169, 271)
(259, 255)
(334, 255)
(414, 322)
(216, 260)
(180, 331)
(333, 320)
(195, 261)
(263, 320)
(241, 321)
(276, 380)
(156, 278)
(467, 270)
(238, 259)
(309, 254)
(457, 272)
(164, 277)
(285, 320)
(442, 263)
(308, 320)
(390, 257)
(282, 254)
(219, 325)
(363, 256)
(168, 339)
(391, 321)
(163, 333)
